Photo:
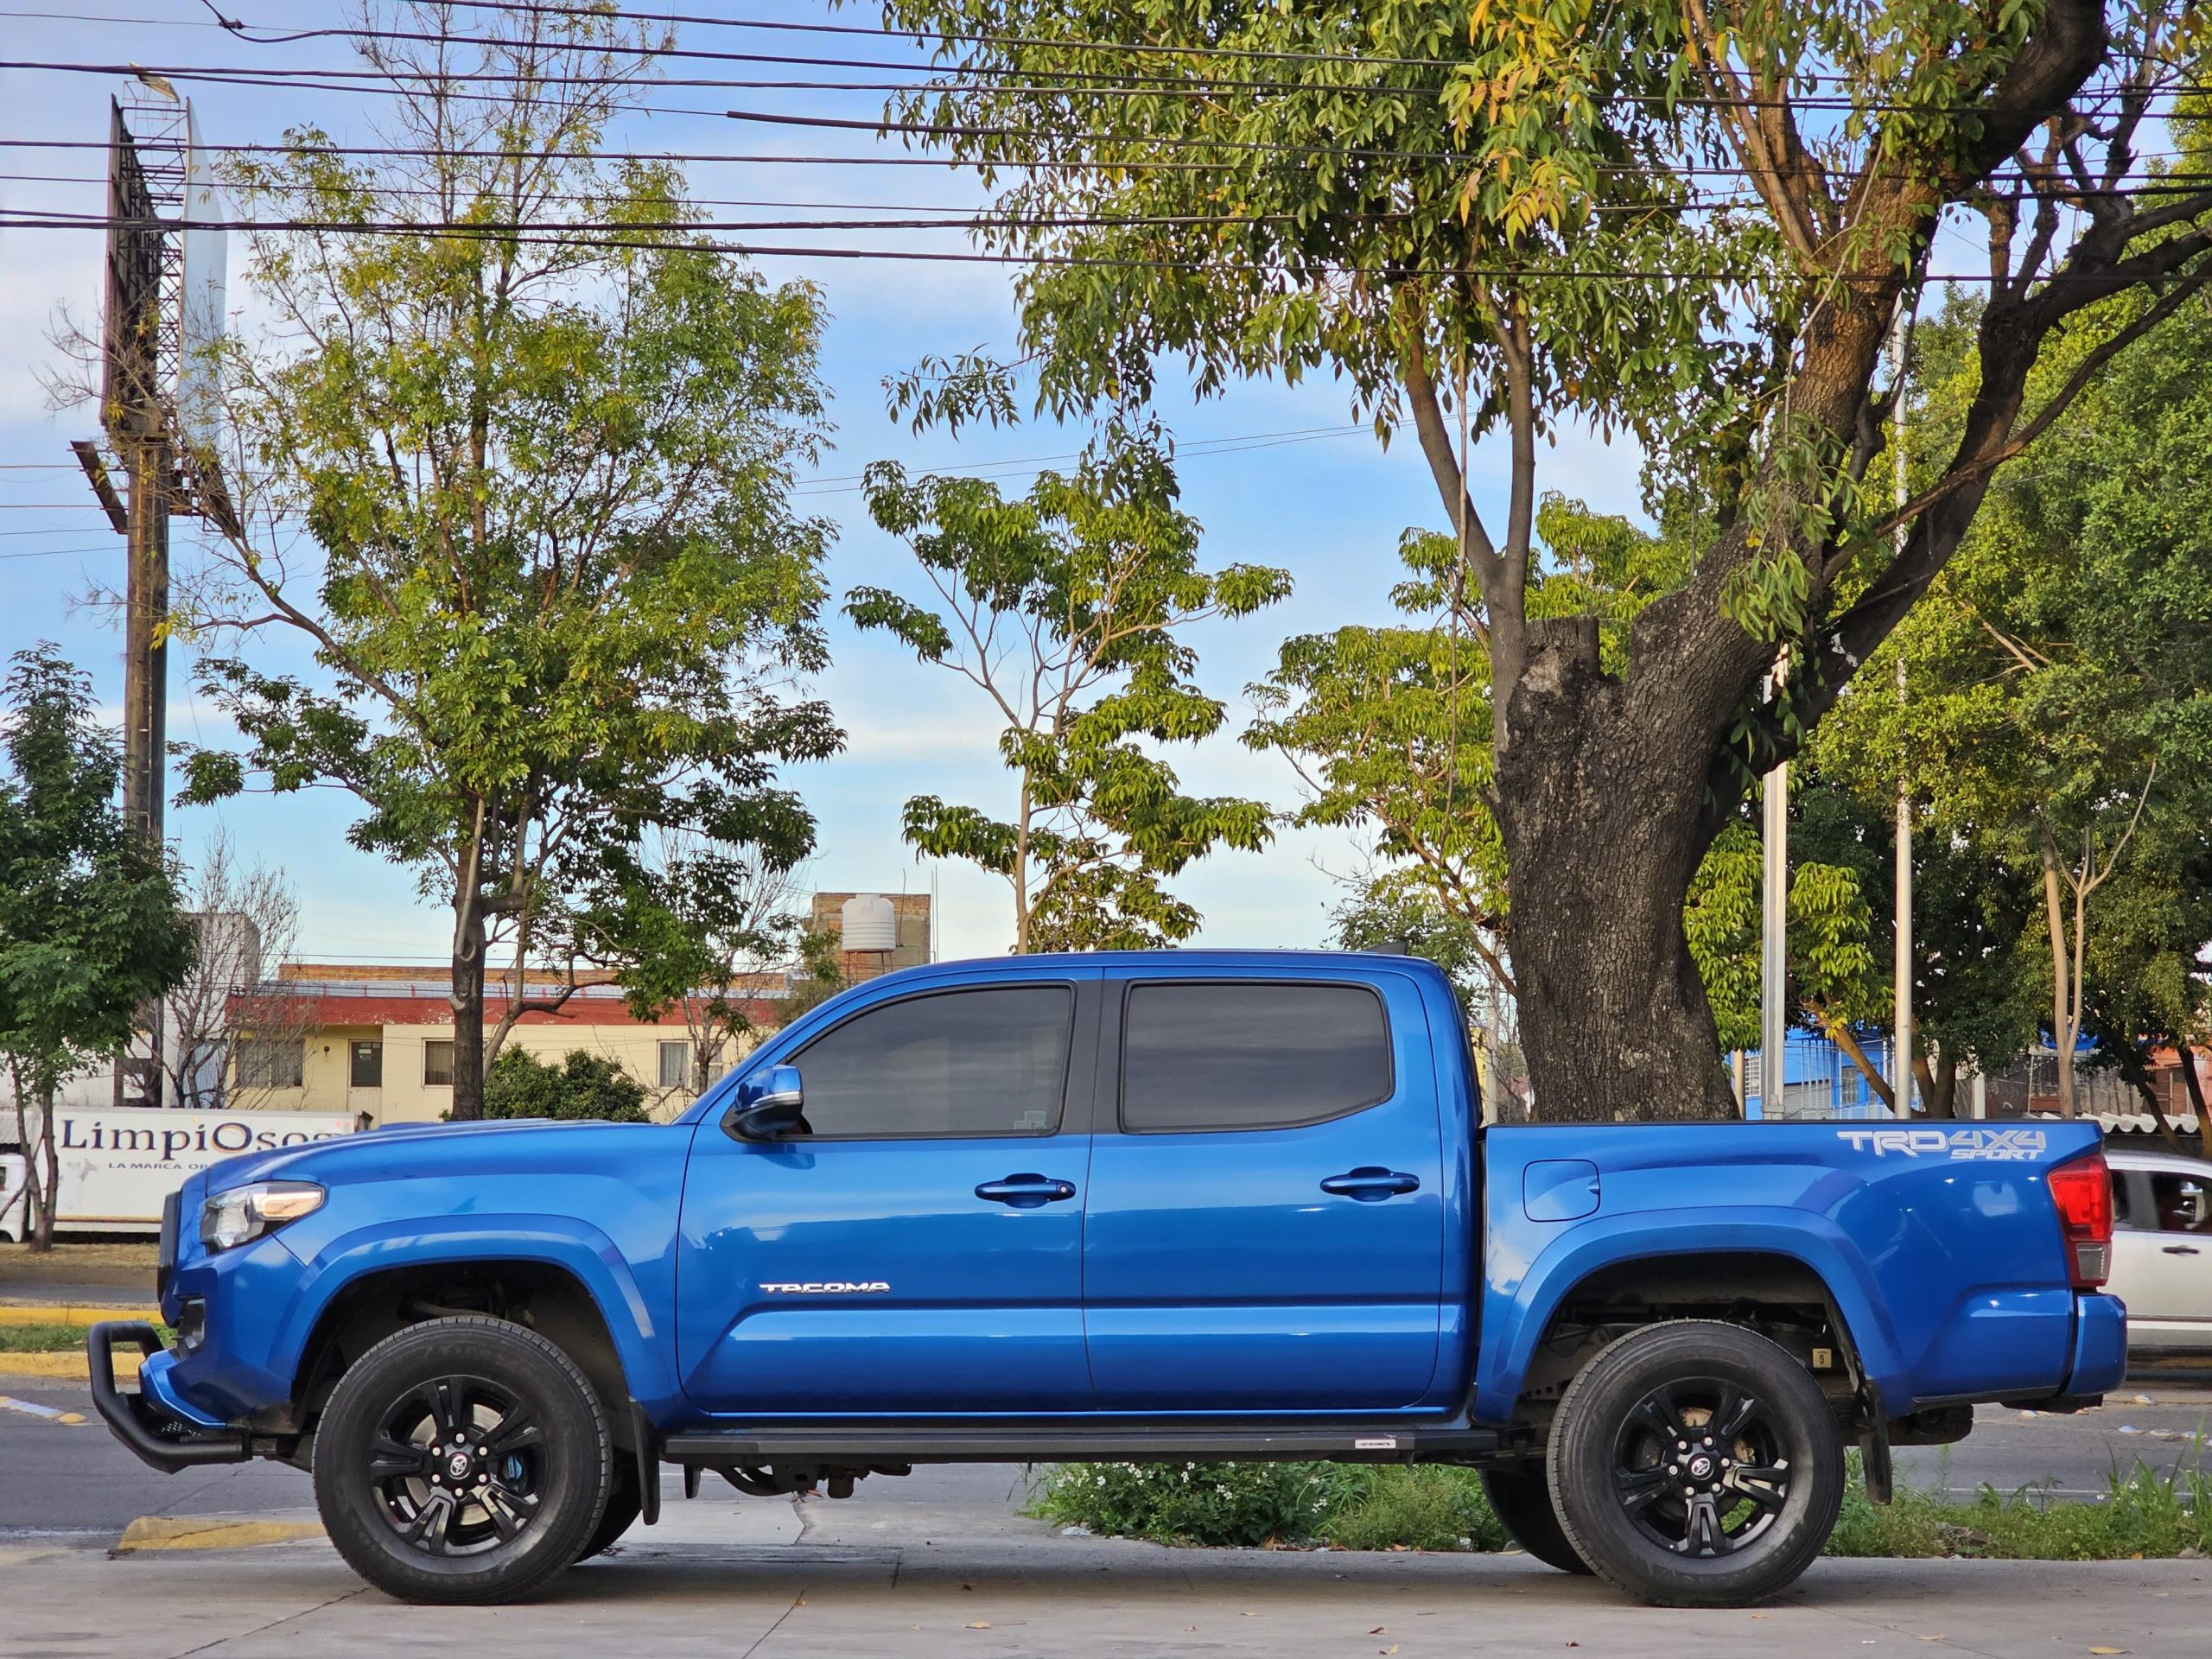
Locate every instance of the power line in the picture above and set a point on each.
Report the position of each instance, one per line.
(1075, 87)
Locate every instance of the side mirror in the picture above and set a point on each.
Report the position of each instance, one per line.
(767, 1106)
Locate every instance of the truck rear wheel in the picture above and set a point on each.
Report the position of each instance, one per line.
(1521, 1500)
(463, 1461)
(1696, 1464)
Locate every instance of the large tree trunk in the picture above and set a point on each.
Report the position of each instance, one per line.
(2062, 1033)
(45, 1174)
(1601, 820)
(1938, 1073)
(467, 998)
(2194, 1085)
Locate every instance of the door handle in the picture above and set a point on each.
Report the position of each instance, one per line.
(1371, 1184)
(2180, 1249)
(1025, 1191)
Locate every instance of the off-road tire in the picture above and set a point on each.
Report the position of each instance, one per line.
(625, 1502)
(1522, 1499)
(375, 1483)
(1669, 1544)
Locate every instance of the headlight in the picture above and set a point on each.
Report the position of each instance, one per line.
(245, 1213)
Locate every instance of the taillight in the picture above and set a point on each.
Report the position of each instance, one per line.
(2082, 1192)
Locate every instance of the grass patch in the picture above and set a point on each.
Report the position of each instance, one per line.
(2144, 1514)
(40, 1338)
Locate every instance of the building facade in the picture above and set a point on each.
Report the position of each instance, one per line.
(376, 1042)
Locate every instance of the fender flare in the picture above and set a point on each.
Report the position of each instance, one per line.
(1516, 1314)
(645, 1349)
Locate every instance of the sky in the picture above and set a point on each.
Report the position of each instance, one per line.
(1277, 475)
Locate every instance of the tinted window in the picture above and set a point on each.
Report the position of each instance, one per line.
(2181, 1204)
(981, 1061)
(1251, 1057)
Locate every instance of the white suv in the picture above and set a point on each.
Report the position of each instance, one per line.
(2162, 1249)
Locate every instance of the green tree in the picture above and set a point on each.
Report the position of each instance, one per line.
(91, 926)
(2058, 714)
(583, 1086)
(556, 591)
(1693, 225)
(1065, 608)
(689, 930)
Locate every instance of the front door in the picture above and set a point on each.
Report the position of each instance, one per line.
(915, 1247)
(1266, 1223)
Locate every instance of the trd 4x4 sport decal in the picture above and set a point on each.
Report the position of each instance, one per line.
(1989, 1146)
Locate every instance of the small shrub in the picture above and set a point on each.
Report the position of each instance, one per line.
(1437, 1507)
(1235, 1504)
(584, 1085)
(1419, 1506)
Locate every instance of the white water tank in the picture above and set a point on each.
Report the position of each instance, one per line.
(870, 923)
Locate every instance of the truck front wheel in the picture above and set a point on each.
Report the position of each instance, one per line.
(463, 1461)
(1696, 1465)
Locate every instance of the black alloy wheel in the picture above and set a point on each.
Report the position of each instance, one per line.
(1696, 1464)
(463, 1461)
(1698, 1467)
(458, 1465)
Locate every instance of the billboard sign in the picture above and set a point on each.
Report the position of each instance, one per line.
(206, 256)
(118, 1164)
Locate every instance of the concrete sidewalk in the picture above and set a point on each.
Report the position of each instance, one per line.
(764, 1579)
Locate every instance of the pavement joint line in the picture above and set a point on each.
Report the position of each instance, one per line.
(262, 1630)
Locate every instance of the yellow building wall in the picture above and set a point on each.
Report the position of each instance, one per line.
(405, 1098)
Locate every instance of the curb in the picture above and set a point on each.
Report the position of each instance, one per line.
(71, 1366)
(210, 1532)
(63, 1313)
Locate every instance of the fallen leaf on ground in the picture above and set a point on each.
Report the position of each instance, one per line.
(2108, 1650)
(981, 1625)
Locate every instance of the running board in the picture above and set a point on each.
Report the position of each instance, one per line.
(850, 1443)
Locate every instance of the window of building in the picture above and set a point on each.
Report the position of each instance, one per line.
(988, 1061)
(270, 1063)
(675, 1065)
(1258, 1056)
(437, 1065)
(367, 1066)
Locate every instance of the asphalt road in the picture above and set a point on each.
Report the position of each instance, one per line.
(57, 1477)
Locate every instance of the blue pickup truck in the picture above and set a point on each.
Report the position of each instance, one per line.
(1172, 1205)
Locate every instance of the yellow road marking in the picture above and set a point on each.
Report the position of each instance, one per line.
(68, 1367)
(56, 1314)
(211, 1532)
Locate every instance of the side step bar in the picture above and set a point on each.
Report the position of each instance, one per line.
(1062, 1442)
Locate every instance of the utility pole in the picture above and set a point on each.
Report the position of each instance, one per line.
(148, 465)
(1774, 937)
(1901, 1063)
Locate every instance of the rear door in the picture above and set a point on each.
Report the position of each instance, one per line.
(1265, 1225)
(917, 1249)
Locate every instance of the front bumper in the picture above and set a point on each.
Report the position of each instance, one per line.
(160, 1429)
